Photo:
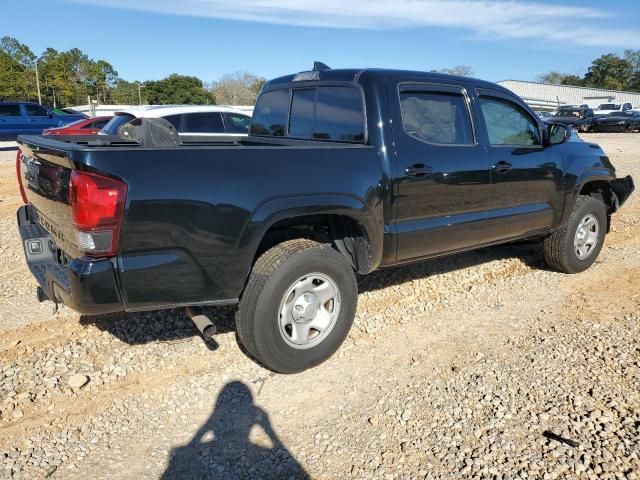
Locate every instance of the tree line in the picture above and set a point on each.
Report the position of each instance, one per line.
(610, 71)
(71, 77)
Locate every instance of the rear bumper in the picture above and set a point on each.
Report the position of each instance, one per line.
(85, 285)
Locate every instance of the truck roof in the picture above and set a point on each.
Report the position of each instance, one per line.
(354, 74)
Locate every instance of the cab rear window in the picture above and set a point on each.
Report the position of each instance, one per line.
(333, 113)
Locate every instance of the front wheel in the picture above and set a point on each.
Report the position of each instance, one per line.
(298, 305)
(575, 247)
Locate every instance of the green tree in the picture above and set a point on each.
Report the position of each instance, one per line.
(633, 57)
(176, 89)
(609, 71)
(558, 78)
(17, 71)
(572, 80)
(124, 92)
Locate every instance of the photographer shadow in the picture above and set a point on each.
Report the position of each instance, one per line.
(222, 447)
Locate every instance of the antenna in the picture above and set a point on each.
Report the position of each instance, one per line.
(320, 66)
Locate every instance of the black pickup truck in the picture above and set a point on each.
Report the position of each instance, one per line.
(344, 171)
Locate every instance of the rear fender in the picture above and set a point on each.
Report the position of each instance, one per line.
(275, 210)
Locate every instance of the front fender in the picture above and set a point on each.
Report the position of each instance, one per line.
(572, 191)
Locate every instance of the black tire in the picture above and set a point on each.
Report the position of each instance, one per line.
(257, 320)
(559, 250)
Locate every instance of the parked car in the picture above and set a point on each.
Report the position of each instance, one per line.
(71, 111)
(68, 111)
(21, 118)
(628, 121)
(344, 172)
(544, 115)
(581, 119)
(607, 108)
(192, 120)
(87, 126)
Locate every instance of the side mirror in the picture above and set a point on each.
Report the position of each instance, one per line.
(50, 113)
(558, 133)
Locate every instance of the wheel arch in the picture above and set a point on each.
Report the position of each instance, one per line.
(345, 215)
(592, 182)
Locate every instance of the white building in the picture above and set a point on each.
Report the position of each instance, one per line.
(546, 96)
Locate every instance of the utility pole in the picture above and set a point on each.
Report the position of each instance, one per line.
(38, 83)
(140, 87)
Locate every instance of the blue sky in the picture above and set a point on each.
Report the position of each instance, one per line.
(499, 39)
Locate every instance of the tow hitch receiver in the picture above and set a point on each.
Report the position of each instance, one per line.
(202, 322)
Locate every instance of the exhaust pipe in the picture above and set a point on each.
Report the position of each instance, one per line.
(202, 322)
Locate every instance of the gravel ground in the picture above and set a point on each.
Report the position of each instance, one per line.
(483, 365)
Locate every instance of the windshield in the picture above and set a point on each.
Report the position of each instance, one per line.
(111, 128)
(568, 112)
(609, 106)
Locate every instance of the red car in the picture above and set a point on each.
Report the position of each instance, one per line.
(86, 126)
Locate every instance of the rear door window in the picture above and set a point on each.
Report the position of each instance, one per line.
(438, 117)
(202, 122)
(9, 110)
(36, 110)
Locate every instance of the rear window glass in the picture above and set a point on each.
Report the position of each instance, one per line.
(339, 115)
(237, 123)
(99, 123)
(111, 128)
(327, 113)
(270, 114)
(174, 120)
(9, 110)
(203, 122)
(302, 113)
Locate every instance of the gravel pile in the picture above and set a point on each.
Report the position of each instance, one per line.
(561, 403)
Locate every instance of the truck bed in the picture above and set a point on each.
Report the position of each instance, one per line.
(194, 213)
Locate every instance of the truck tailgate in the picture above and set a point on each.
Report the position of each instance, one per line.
(45, 174)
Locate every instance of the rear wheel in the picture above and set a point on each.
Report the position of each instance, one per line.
(298, 306)
(575, 247)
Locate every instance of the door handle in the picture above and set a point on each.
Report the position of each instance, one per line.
(502, 167)
(418, 170)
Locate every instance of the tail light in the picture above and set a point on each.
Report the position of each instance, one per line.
(18, 162)
(97, 205)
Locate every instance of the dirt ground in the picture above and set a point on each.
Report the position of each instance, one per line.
(456, 368)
